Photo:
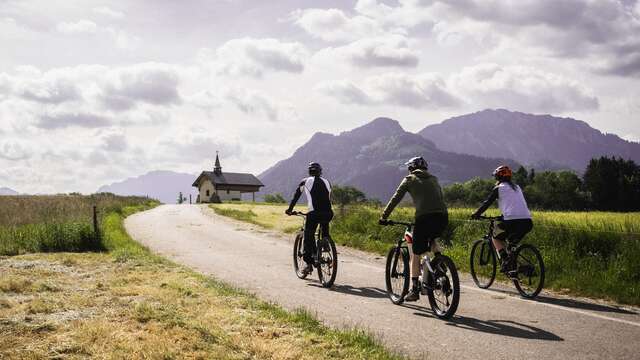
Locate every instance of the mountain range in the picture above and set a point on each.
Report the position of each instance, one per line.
(540, 141)
(161, 185)
(8, 191)
(371, 158)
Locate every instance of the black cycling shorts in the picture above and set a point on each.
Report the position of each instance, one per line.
(512, 230)
(428, 227)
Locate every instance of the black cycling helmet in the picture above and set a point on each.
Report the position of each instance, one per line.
(417, 162)
(315, 169)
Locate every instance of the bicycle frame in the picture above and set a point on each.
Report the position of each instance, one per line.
(403, 243)
(489, 235)
(318, 234)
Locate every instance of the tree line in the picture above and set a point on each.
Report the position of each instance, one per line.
(608, 184)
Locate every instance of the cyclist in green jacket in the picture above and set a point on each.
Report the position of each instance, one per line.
(431, 217)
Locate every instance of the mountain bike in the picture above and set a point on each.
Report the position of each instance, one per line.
(528, 275)
(325, 259)
(438, 276)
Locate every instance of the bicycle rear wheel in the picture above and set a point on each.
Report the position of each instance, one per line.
(483, 263)
(298, 261)
(444, 287)
(530, 271)
(397, 274)
(327, 261)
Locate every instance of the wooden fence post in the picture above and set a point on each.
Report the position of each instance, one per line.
(96, 230)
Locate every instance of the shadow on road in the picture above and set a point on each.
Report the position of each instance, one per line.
(370, 292)
(498, 327)
(572, 303)
(576, 304)
(504, 328)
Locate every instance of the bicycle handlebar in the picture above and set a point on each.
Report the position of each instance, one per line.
(392, 222)
(298, 213)
(492, 218)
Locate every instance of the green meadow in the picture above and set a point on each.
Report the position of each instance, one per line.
(585, 253)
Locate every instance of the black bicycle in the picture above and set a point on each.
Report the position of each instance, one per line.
(528, 273)
(325, 260)
(440, 280)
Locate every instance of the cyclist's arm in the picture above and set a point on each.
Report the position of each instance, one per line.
(396, 198)
(485, 205)
(296, 196)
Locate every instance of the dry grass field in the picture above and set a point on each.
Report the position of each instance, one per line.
(124, 302)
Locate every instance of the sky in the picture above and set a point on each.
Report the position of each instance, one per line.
(93, 92)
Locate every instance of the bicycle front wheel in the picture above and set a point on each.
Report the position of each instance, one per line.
(483, 263)
(298, 261)
(397, 274)
(530, 271)
(327, 262)
(444, 287)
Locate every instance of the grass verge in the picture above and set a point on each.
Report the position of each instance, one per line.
(129, 303)
(55, 223)
(589, 254)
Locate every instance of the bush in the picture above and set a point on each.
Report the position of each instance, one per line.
(274, 198)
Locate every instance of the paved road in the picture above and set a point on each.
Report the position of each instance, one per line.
(489, 324)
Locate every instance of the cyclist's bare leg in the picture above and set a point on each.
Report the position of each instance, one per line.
(499, 244)
(414, 261)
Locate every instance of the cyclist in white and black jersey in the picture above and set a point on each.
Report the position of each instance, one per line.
(516, 217)
(317, 190)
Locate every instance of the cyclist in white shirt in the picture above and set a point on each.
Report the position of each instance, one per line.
(516, 218)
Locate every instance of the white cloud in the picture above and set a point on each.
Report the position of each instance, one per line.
(424, 90)
(521, 88)
(481, 86)
(252, 102)
(603, 32)
(206, 100)
(106, 11)
(14, 150)
(335, 25)
(73, 89)
(78, 27)
(11, 29)
(254, 57)
(345, 91)
(112, 140)
(196, 143)
(122, 39)
(383, 51)
(151, 83)
(413, 91)
(61, 120)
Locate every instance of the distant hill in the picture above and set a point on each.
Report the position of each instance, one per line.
(161, 185)
(7, 191)
(370, 158)
(543, 140)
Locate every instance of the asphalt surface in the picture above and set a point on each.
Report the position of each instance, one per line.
(489, 324)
